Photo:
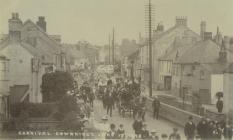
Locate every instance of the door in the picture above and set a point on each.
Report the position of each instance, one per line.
(167, 82)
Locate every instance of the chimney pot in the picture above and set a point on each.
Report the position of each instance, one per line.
(41, 22)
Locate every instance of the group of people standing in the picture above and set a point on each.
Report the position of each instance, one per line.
(207, 130)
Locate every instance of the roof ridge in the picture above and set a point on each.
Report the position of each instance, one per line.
(42, 31)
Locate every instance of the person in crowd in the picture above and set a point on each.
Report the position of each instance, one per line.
(217, 132)
(111, 134)
(91, 97)
(121, 132)
(202, 129)
(109, 103)
(227, 132)
(136, 105)
(164, 136)
(137, 126)
(153, 135)
(144, 133)
(189, 129)
(156, 107)
(210, 129)
(219, 105)
(175, 135)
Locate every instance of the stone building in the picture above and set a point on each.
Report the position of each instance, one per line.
(31, 52)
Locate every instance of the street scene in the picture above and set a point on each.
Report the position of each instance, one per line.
(114, 69)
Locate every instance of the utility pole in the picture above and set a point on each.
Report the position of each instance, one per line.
(109, 49)
(149, 11)
(113, 47)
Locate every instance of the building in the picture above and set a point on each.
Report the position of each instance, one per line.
(194, 69)
(4, 86)
(162, 41)
(228, 90)
(31, 52)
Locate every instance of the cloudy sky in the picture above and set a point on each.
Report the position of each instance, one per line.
(93, 20)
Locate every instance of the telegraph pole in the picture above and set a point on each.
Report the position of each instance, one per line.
(113, 47)
(149, 11)
(109, 49)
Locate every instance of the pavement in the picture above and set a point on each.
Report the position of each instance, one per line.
(161, 126)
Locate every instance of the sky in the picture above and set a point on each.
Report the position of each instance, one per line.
(93, 20)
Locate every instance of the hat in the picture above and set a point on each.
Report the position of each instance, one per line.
(105, 118)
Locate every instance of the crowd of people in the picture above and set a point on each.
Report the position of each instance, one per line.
(125, 96)
(141, 132)
(207, 130)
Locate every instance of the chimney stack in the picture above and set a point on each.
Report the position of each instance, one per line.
(226, 41)
(41, 23)
(207, 35)
(15, 26)
(181, 21)
(160, 27)
(223, 53)
(202, 29)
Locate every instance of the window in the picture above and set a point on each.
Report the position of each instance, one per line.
(202, 75)
(3, 66)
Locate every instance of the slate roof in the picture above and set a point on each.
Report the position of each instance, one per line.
(175, 51)
(51, 44)
(229, 69)
(18, 93)
(216, 68)
(202, 52)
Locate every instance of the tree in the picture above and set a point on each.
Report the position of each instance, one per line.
(55, 85)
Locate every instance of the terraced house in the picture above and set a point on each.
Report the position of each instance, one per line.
(30, 52)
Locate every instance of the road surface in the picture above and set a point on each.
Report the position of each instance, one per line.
(161, 126)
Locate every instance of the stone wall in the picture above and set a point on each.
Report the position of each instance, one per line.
(173, 114)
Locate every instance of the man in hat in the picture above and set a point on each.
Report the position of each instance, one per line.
(156, 106)
(189, 129)
(175, 135)
(153, 135)
(202, 129)
(109, 102)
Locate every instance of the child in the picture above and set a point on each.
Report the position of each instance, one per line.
(121, 132)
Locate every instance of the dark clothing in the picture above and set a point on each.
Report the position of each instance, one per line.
(137, 126)
(219, 106)
(109, 110)
(227, 133)
(145, 134)
(109, 103)
(111, 135)
(121, 133)
(156, 106)
(202, 129)
(189, 130)
(174, 136)
(209, 131)
(216, 134)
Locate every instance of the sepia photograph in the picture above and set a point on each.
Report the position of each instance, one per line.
(116, 69)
